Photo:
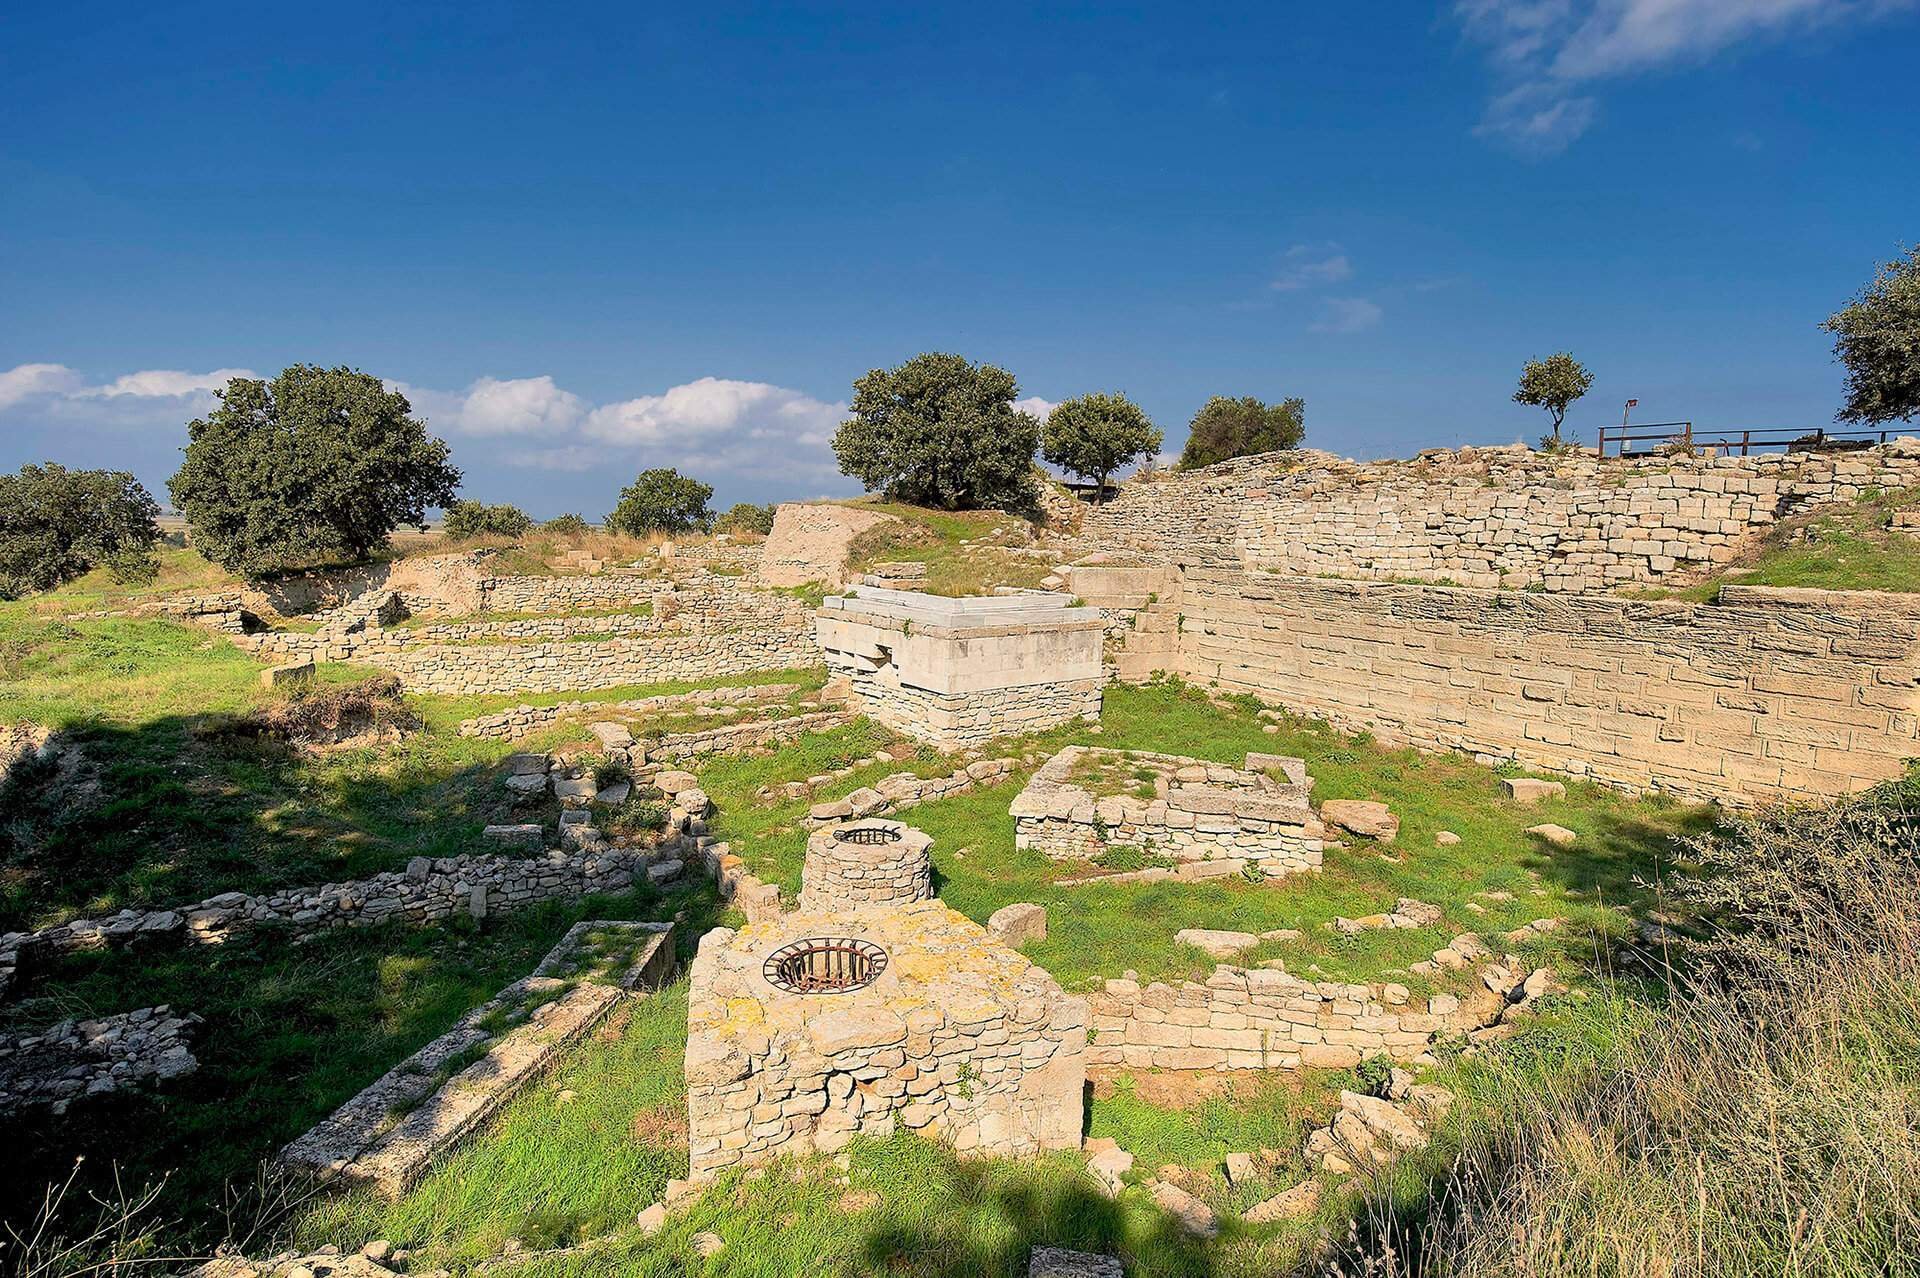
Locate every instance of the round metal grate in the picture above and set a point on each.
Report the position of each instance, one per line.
(825, 965)
(869, 835)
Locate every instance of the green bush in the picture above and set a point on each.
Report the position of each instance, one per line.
(316, 464)
(568, 525)
(467, 519)
(1227, 428)
(746, 518)
(56, 524)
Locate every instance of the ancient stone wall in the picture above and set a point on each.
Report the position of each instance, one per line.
(1766, 693)
(569, 594)
(1259, 1018)
(866, 862)
(1506, 517)
(520, 721)
(76, 1059)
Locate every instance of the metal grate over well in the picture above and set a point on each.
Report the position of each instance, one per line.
(825, 965)
(868, 835)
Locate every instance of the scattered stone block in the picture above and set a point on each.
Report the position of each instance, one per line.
(1558, 835)
(528, 836)
(1058, 1262)
(297, 674)
(611, 736)
(1363, 817)
(1016, 925)
(1189, 1212)
(1221, 945)
(1302, 1200)
(1528, 791)
(1446, 838)
(1109, 1167)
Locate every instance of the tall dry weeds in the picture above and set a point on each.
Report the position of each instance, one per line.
(1766, 1122)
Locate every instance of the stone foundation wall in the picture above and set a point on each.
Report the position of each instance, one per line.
(1765, 694)
(1259, 1018)
(958, 719)
(520, 721)
(77, 1059)
(740, 736)
(1505, 517)
(427, 891)
(569, 594)
(1202, 812)
(554, 667)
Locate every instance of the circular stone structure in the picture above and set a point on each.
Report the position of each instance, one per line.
(868, 862)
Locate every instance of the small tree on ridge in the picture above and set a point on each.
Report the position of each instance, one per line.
(662, 500)
(1095, 435)
(1877, 337)
(940, 431)
(1227, 428)
(1553, 383)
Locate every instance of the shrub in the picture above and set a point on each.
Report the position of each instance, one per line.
(1227, 428)
(317, 463)
(637, 816)
(467, 519)
(334, 712)
(1877, 338)
(746, 518)
(662, 500)
(941, 431)
(56, 524)
(566, 525)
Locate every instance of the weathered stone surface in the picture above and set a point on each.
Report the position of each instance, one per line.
(1220, 945)
(842, 870)
(1558, 835)
(1302, 1200)
(294, 675)
(76, 1059)
(1058, 1262)
(1528, 791)
(1018, 924)
(1363, 817)
(1187, 1211)
(530, 836)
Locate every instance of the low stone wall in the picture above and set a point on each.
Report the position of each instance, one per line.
(1762, 695)
(1506, 517)
(77, 1059)
(521, 721)
(569, 594)
(1200, 811)
(555, 667)
(536, 629)
(740, 736)
(1259, 1018)
(900, 790)
(427, 891)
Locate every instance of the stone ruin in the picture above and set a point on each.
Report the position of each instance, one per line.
(873, 1008)
(958, 672)
(1210, 818)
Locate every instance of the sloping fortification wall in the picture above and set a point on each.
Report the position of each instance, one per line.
(1506, 517)
(1766, 693)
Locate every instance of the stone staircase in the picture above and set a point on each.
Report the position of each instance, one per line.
(1147, 599)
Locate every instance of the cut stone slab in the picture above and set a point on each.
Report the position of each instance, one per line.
(1558, 835)
(1302, 1200)
(1220, 945)
(611, 736)
(575, 790)
(527, 835)
(294, 675)
(1058, 1262)
(1363, 817)
(1015, 925)
(672, 781)
(1192, 1215)
(524, 765)
(1446, 838)
(1110, 1167)
(1528, 791)
(527, 787)
(614, 795)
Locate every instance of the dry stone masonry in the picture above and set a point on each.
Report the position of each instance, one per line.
(80, 1058)
(958, 1038)
(959, 672)
(1196, 811)
(863, 863)
(521, 721)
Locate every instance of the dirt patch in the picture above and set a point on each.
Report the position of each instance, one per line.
(368, 712)
(1182, 1089)
(810, 543)
(662, 1127)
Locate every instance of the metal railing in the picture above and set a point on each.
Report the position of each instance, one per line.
(1655, 437)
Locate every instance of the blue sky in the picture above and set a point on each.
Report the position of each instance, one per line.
(590, 239)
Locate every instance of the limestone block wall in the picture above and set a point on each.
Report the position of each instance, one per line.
(564, 594)
(74, 1059)
(738, 736)
(558, 666)
(1764, 694)
(960, 1039)
(958, 672)
(1258, 1018)
(1504, 517)
(1200, 812)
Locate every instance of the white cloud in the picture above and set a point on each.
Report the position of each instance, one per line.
(1310, 266)
(521, 406)
(1348, 315)
(26, 381)
(163, 383)
(1040, 408)
(1547, 52)
(744, 427)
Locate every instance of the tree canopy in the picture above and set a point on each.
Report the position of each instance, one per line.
(940, 431)
(477, 519)
(1877, 338)
(745, 517)
(57, 524)
(316, 464)
(1095, 435)
(1227, 428)
(662, 500)
(1553, 383)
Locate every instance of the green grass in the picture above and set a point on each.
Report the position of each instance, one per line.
(1096, 931)
(934, 537)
